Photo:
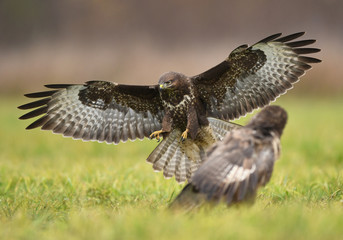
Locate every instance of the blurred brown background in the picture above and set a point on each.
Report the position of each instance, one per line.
(135, 41)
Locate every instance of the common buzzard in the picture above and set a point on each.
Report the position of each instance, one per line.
(188, 112)
(238, 165)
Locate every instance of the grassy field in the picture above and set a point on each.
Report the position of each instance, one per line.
(58, 188)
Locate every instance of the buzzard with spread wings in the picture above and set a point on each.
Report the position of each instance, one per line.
(235, 167)
(190, 113)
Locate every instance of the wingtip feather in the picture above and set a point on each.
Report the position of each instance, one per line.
(40, 94)
(34, 113)
(290, 37)
(270, 38)
(301, 43)
(309, 59)
(34, 104)
(57, 86)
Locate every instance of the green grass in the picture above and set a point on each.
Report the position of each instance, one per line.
(57, 188)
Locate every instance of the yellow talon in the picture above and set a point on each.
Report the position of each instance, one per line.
(184, 135)
(156, 135)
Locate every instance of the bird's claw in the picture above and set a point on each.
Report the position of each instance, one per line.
(184, 135)
(156, 135)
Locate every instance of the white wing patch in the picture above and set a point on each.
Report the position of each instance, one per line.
(238, 174)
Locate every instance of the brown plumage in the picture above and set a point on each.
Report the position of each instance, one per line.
(186, 111)
(235, 167)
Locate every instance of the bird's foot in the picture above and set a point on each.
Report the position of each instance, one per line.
(156, 135)
(184, 135)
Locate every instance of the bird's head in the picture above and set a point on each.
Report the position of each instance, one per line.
(171, 81)
(271, 118)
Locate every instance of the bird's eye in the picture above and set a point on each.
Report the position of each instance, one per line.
(168, 82)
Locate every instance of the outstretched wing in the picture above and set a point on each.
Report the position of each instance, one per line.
(252, 77)
(97, 111)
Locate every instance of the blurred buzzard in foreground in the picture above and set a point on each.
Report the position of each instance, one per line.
(188, 112)
(238, 165)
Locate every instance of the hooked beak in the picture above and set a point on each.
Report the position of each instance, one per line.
(166, 85)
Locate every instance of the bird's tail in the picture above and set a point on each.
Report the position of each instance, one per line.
(188, 200)
(182, 158)
(173, 158)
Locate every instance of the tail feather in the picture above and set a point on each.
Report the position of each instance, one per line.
(188, 199)
(188, 169)
(160, 156)
(169, 167)
(221, 128)
(180, 168)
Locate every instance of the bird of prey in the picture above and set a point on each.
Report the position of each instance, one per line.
(235, 167)
(190, 113)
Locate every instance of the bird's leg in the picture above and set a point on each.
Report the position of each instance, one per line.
(184, 135)
(156, 135)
